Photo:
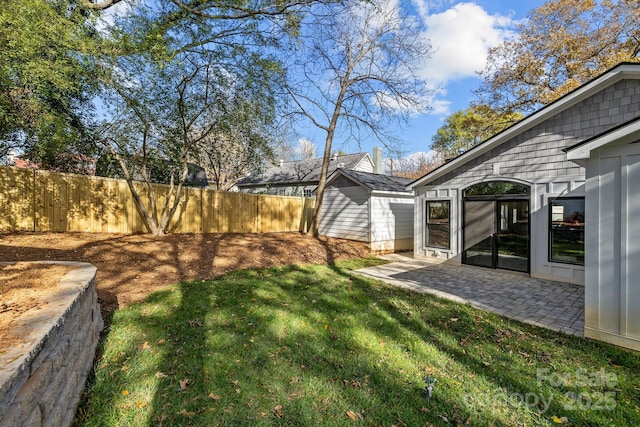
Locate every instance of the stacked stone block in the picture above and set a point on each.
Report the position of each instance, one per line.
(42, 381)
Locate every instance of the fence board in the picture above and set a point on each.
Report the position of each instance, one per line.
(51, 201)
(16, 199)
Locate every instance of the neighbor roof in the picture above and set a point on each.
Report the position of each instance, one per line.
(373, 181)
(604, 80)
(302, 171)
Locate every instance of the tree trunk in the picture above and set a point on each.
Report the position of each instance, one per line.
(314, 228)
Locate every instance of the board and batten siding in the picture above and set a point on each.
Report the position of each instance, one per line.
(536, 158)
(345, 213)
(612, 288)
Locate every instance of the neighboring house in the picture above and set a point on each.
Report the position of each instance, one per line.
(368, 207)
(300, 178)
(517, 201)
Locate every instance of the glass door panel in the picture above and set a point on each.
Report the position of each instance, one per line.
(512, 236)
(479, 227)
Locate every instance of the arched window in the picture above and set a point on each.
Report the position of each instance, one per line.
(496, 188)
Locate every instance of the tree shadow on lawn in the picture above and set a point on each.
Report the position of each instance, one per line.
(298, 346)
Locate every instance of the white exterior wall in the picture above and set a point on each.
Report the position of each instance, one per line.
(420, 250)
(345, 213)
(281, 190)
(391, 222)
(541, 192)
(612, 291)
(364, 165)
(534, 157)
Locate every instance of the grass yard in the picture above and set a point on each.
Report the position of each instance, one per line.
(317, 345)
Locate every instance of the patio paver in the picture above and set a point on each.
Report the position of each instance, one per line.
(545, 303)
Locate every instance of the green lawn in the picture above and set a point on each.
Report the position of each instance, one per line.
(318, 345)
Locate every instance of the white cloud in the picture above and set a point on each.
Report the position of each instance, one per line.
(119, 10)
(461, 37)
(440, 107)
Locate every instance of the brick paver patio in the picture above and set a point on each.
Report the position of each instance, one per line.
(548, 304)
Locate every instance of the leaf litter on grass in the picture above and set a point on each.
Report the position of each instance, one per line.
(263, 356)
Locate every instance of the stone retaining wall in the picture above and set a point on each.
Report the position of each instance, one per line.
(42, 380)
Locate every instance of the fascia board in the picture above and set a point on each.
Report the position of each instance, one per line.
(629, 133)
(628, 71)
(338, 172)
(392, 193)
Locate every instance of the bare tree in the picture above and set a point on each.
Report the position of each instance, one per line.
(306, 149)
(413, 166)
(356, 72)
(241, 144)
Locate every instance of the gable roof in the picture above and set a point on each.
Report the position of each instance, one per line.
(604, 80)
(372, 181)
(302, 171)
(624, 132)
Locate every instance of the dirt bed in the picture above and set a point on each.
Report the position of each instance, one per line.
(22, 286)
(132, 266)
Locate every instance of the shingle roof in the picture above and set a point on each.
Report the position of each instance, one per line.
(378, 182)
(307, 171)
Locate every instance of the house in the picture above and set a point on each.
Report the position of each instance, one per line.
(612, 252)
(300, 178)
(368, 207)
(527, 198)
(159, 171)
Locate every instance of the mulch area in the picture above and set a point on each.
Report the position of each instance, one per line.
(132, 266)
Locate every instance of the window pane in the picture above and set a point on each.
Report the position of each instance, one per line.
(438, 224)
(438, 236)
(496, 188)
(438, 212)
(567, 230)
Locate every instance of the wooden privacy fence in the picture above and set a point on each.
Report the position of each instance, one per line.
(50, 201)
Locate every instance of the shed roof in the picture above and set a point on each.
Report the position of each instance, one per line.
(374, 182)
(302, 171)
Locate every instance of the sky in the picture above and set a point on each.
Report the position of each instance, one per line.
(461, 32)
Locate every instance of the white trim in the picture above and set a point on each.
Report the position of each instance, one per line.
(630, 71)
(612, 337)
(383, 193)
(494, 178)
(423, 239)
(625, 134)
(367, 156)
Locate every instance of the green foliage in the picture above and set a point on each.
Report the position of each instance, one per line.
(496, 188)
(465, 129)
(562, 44)
(182, 87)
(318, 345)
(45, 82)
